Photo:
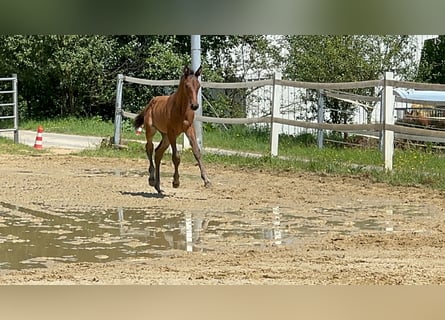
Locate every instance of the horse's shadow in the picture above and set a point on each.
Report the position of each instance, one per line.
(144, 194)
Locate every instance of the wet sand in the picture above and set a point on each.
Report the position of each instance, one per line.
(73, 220)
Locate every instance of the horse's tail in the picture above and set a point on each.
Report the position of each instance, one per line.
(139, 120)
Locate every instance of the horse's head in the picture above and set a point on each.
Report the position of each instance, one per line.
(191, 86)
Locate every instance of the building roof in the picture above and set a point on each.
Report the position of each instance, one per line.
(421, 95)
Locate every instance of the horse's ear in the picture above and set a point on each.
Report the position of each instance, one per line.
(186, 71)
(198, 72)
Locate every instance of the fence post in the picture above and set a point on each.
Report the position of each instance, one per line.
(320, 118)
(16, 108)
(275, 113)
(118, 110)
(388, 119)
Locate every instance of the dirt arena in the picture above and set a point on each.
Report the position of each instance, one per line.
(284, 228)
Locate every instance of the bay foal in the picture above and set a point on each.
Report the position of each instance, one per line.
(171, 116)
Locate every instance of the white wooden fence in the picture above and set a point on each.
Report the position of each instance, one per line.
(273, 117)
(10, 108)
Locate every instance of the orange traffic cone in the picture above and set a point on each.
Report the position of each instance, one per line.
(139, 130)
(39, 138)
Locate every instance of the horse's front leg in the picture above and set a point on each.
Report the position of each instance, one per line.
(159, 152)
(191, 135)
(176, 159)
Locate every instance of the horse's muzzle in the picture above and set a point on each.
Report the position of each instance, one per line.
(195, 107)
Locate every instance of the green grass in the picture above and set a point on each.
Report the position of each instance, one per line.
(237, 138)
(411, 167)
(94, 126)
(7, 146)
(86, 127)
(132, 150)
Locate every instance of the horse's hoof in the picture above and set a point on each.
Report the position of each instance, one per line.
(207, 184)
(152, 182)
(159, 190)
(175, 184)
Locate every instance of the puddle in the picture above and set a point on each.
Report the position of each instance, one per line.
(33, 239)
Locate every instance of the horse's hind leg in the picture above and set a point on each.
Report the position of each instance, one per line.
(159, 152)
(149, 150)
(151, 168)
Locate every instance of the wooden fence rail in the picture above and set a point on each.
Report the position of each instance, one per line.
(386, 127)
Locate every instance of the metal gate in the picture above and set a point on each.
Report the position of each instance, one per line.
(8, 106)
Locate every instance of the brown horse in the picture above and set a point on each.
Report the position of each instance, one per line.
(171, 116)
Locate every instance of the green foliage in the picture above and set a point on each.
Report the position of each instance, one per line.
(58, 75)
(431, 66)
(75, 75)
(332, 58)
(224, 103)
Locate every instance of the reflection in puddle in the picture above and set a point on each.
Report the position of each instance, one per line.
(188, 232)
(30, 238)
(276, 225)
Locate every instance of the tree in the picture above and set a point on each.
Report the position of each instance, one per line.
(58, 75)
(432, 61)
(80, 63)
(225, 58)
(233, 59)
(75, 75)
(349, 58)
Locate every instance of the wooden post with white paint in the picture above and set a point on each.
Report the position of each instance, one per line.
(388, 119)
(275, 127)
(320, 117)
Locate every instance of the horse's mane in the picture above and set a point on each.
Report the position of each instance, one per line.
(190, 73)
(186, 75)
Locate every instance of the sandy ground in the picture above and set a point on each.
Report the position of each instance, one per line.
(403, 243)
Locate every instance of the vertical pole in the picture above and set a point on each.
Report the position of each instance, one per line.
(196, 62)
(16, 109)
(275, 113)
(320, 118)
(388, 135)
(118, 110)
(382, 120)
